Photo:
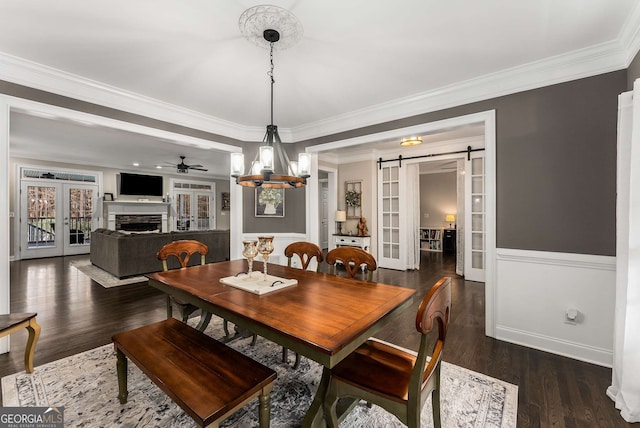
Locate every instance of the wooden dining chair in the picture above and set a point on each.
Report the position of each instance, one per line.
(183, 250)
(394, 378)
(354, 259)
(306, 251)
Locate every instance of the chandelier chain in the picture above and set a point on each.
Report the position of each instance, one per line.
(270, 74)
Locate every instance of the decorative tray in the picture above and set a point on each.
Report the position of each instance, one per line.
(256, 283)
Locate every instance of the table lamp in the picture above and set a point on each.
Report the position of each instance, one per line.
(450, 218)
(341, 217)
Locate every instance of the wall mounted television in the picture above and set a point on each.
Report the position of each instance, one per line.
(140, 185)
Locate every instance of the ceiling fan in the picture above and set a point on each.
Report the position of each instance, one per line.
(183, 168)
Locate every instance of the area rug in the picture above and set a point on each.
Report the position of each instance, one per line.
(102, 277)
(86, 385)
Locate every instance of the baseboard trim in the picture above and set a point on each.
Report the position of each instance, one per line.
(576, 351)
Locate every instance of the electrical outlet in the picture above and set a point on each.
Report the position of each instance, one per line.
(571, 316)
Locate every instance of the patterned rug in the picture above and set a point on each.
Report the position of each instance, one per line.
(102, 277)
(86, 385)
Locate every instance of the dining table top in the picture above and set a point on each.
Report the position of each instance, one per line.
(324, 317)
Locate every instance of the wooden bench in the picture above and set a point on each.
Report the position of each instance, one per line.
(10, 323)
(206, 378)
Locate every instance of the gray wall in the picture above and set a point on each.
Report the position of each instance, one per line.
(438, 197)
(556, 163)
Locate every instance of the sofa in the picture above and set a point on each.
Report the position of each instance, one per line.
(130, 254)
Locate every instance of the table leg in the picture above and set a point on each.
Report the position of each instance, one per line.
(315, 415)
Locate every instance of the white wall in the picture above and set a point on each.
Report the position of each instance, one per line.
(534, 290)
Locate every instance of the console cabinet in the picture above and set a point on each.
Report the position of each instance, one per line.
(363, 242)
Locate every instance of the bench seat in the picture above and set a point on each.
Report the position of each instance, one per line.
(206, 378)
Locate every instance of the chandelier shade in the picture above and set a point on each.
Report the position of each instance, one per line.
(271, 155)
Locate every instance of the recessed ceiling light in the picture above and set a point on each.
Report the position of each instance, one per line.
(158, 166)
(136, 164)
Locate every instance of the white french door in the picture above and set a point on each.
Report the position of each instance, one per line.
(56, 219)
(391, 251)
(324, 213)
(475, 230)
(194, 205)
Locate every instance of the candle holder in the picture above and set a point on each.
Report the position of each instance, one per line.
(250, 251)
(265, 247)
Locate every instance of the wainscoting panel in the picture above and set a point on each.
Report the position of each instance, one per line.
(536, 288)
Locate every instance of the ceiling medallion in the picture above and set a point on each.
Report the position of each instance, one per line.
(254, 21)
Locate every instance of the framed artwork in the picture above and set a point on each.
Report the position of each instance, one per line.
(108, 196)
(269, 202)
(226, 201)
(353, 198)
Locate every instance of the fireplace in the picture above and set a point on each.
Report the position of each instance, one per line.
(135, 216)
(138, 222)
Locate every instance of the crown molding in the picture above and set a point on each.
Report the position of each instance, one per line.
(27, 73)
(598, 59)
(629, 36)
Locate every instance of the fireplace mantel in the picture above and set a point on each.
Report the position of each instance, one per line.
(114, 208)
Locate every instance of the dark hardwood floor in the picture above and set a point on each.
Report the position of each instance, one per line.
(77, 314)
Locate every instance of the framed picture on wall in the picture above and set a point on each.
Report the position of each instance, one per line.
(353, 198)
(269, 202)
(226, 201)
(108, 196)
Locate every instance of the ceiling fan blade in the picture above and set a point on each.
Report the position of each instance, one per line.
(194, 166)
(198, 169)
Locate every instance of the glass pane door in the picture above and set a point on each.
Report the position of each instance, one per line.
(204, 211)
(40, 216)
(476, 252)
(389, 247)
(78, 217)
(56, 218)
(184, 219)
(194, 210)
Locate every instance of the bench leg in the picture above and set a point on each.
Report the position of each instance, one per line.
(121, 365)
(264, 414)
(34, 333)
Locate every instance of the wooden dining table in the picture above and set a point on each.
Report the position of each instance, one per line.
(323, 317)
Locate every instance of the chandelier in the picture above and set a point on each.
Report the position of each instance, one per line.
(263, 169)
